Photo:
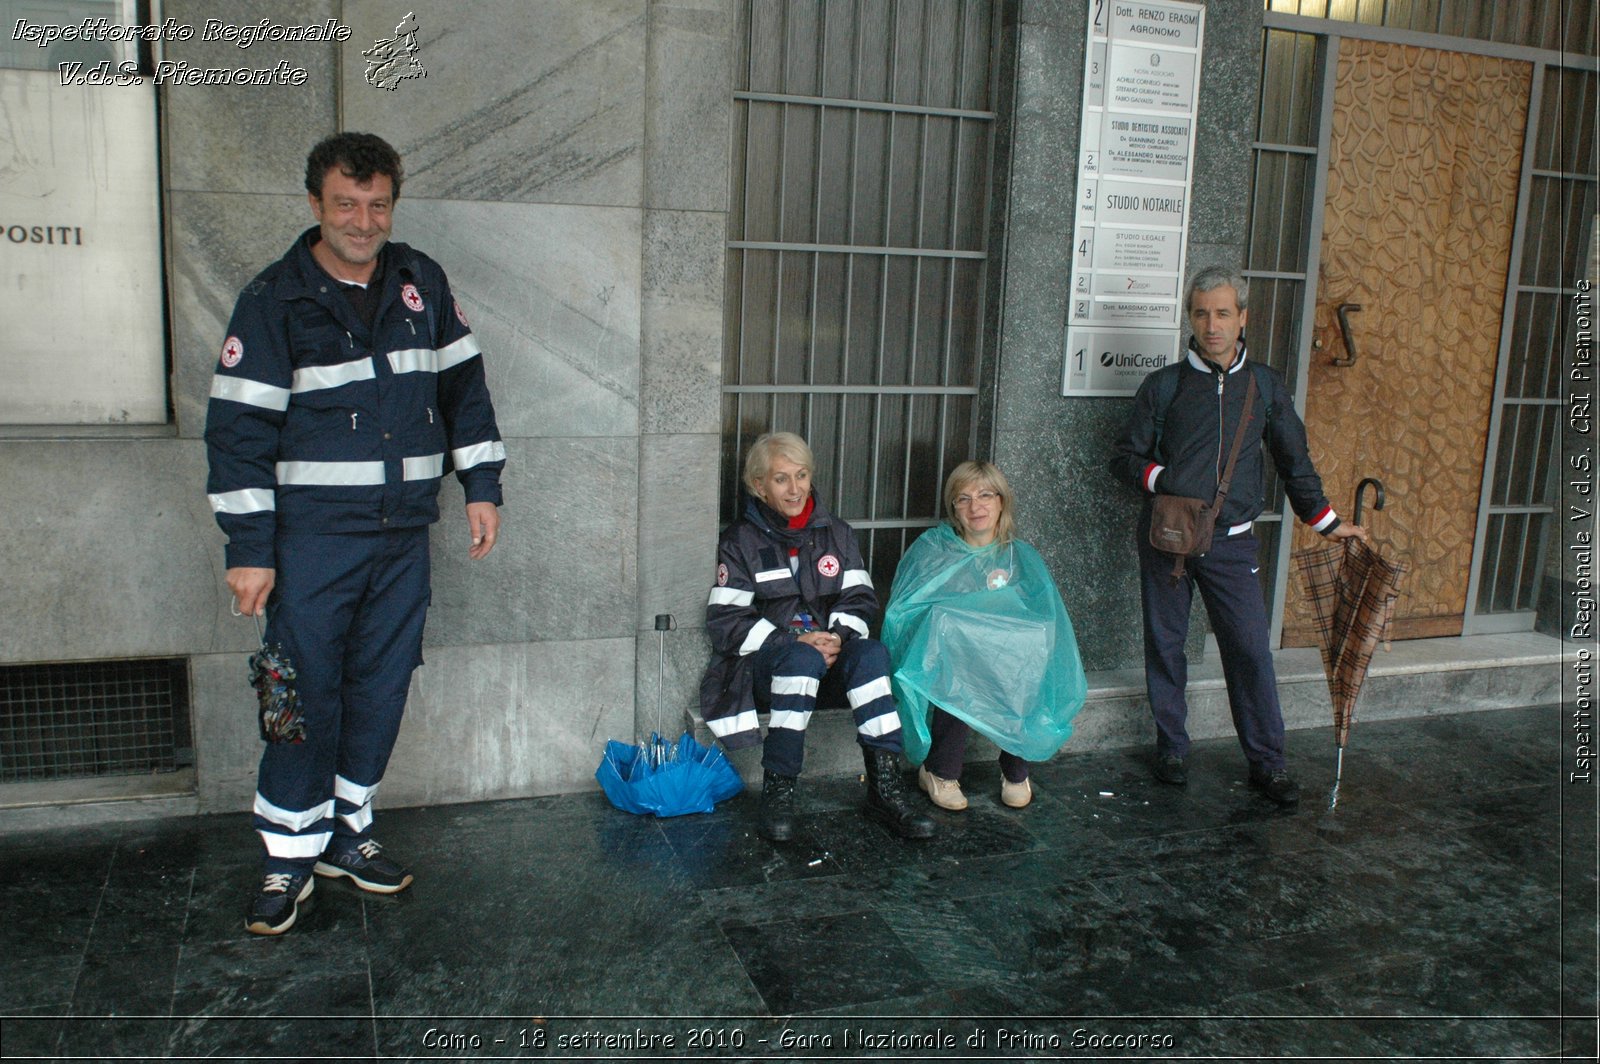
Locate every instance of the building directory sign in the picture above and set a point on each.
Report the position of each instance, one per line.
(1141, 88)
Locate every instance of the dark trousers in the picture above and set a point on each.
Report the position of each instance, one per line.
(949, 749)
(1231, 591)
(348, 610)
(791, 680)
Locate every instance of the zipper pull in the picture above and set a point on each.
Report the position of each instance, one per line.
(430, 415)
(353, 415)
(413, 326)
(1220, 379)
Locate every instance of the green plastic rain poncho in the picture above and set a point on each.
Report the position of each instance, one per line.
(981, 632)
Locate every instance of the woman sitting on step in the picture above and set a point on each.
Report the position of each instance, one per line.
(788, 621)
(980, 640)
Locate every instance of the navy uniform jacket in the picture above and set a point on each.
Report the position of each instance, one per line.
(757, 595)
(1183, 448)
(318, 424)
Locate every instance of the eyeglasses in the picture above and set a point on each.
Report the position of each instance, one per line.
(986, 497)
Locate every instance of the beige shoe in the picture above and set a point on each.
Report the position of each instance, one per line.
(946, 794)
(1016, 795)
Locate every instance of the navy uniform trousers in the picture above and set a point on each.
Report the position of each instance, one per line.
(348, 610)
(791, 679)
(1231, 591)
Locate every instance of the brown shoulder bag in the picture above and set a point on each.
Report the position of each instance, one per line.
(1182, 526)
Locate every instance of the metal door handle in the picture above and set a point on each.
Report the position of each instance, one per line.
(1346, 309)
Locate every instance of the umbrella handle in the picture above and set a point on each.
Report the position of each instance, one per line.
(1377, 499)
(664, 624)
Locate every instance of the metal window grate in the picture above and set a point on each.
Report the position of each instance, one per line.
(1281, 242)
(856, 251)
(96, 718)
(1558, 205)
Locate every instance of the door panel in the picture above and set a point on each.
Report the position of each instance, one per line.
(1421, 199)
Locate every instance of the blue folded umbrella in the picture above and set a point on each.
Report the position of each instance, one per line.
(667, 779)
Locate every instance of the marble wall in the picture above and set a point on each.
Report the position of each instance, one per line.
(1055, 449)
(567, 163)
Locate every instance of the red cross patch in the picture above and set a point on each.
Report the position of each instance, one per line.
(232, 352)
(412, 297)
(459, 315)
(722, 576)
(828, 565)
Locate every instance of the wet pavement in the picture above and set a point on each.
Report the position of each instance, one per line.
(1445, 909)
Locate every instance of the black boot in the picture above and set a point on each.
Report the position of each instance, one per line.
(777, 806)
(887, 799)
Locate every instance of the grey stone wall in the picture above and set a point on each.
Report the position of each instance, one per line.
(1055, 449)
(567, 164)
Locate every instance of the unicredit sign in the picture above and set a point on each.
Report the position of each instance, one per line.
(1131, 360)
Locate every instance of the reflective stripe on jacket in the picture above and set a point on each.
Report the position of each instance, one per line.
(318, 424)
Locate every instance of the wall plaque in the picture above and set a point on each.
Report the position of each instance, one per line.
(1141, 88)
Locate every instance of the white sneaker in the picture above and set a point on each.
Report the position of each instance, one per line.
(946, 794)
(1016, 795)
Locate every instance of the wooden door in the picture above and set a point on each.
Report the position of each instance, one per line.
(1421, 200)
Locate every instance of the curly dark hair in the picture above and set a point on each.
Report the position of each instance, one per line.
(357, 155)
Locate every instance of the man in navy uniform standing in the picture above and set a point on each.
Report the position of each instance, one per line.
(1176, 443)
(349, 384)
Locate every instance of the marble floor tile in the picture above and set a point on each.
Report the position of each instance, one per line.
(808, 965)
(1446, 908)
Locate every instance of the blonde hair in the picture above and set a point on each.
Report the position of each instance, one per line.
(965, 476)
(786, 444)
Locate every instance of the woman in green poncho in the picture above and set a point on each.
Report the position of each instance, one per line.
(980, 639)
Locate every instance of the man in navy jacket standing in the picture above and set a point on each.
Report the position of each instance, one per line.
(348, 385)
(1176, 443)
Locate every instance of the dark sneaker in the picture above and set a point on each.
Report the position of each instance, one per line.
(1275, 784)
(273, 910)
(1170, 769)
(366, 867)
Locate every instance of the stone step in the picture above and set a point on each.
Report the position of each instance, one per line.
(1415, 678)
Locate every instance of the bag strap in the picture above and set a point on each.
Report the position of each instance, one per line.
(1238, 441)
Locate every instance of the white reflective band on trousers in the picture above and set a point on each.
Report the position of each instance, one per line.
(805, 686)
(288, 818)
(292, 847)
(881, 725)
(791, 719)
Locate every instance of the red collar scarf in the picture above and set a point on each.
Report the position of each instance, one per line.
(800, 520)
